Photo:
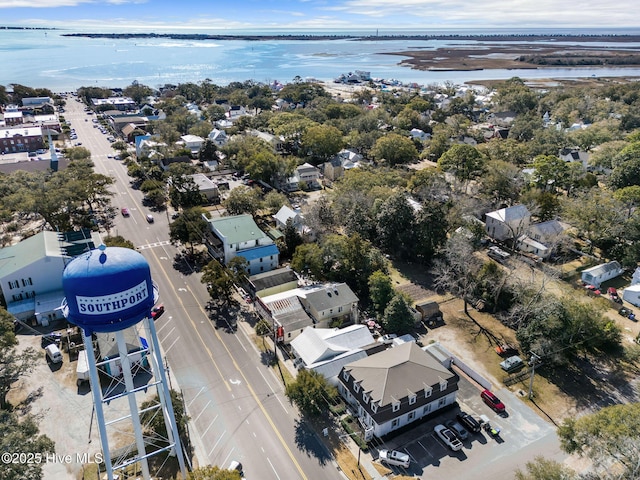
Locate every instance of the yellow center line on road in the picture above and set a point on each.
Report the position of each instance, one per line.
(235, 364)
(191, 320)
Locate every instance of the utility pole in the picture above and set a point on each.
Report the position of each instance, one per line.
(534, 358)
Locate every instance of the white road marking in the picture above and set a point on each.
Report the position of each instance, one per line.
(202, 411)
(273, 468)
(216, 444)
(210, 425)
(193, 399)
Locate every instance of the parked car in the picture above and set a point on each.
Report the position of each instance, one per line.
(457, 429)
(512, 364)
(469, 422)
(448, 437)
(235, 466)
(394, 457)
(54, 355)
(492, 401)
(149, 218)
(387, 339)
(613, 295)
(125, 212)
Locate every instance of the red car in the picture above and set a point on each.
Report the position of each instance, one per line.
(494, 402)
(125, 212)
(157, 311)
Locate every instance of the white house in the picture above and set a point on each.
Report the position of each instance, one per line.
(31, 272)
(274, 141)
(206, 186)
(541, 238)
(344, 160)
(327, 350)
(507, 223)
(601, 273)
(305, 173)
(218, 137)
(396, 387)
(285, 213)
(235, 112)
(239, 235)
(574, 155)
(416, 133)
(192, 142)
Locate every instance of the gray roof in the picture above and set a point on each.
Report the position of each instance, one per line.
(331, 296)
(394, 373)
(602, 269)
(273, 278)
(321, 344)
(509, 214)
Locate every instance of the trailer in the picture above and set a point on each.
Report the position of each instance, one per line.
(82, 368)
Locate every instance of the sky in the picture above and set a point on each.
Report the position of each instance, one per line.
(298, 15)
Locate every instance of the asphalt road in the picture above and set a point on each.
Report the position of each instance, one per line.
(236, 404)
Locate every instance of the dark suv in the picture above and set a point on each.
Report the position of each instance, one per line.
(468, 422)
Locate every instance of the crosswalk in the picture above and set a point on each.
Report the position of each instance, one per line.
(153, 245)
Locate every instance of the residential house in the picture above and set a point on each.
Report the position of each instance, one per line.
(218, 137)
(21, 139)
(12, 117)
(223, 123)
(235, 112)
(239, 235)
(343, 161)
(417, 134)
(502, 119)
(31, 272)
(272, 282)
(33, 103)
(285, 213)
(595, 276)
(327, 350)
(193, 143)
(306, 174)
(396, 387)
(207, 187)
(320, 306)
(274, 141)
(574, 155)
(541, 238)
(507, 223)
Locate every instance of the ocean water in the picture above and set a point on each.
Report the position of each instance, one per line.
(39, 58)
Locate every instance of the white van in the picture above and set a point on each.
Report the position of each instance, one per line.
(54, 355)
(393, 457)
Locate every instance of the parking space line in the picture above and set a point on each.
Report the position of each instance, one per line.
(425, 449)
(216, 444)
(202, 411)
(196, 396)
(174, 342)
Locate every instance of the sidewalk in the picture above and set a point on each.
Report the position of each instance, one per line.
(366, 459)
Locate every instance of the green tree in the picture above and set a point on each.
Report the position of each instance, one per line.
(610, 438)
(137, 92)
(629, 197)
(397, 317)
(153, 418)
(395, 226)
(207, 151)
(311, 392)
(20, 435)
(464, 161)
(184, 192)
(321, 142)
(274, 200)
(307, 259)
(550, 172)
(218, 280)
(189, 228)
(243, 200)
(118, 241)
(381, 291)
(394, 149)
(238, 267)
(515, 95)
(291, 239)
(542, 469)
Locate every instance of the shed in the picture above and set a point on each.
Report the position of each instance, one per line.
(430, 311)
(601, 273)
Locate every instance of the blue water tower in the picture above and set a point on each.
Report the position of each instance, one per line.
(108, 289)
(109, 293)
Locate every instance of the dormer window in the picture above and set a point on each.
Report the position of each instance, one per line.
(356, 387)
(374, 407)
(365, 397)
(428, 391)
(443, 384)
(412, 399)
(395, 406)
(345, 375)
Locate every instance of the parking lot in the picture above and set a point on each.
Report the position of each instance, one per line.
(523, 435)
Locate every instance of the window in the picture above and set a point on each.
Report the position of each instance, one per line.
(426, 409)
(396, 406)
(427, 392)
(443, 385)
(345, 375)
(374, 407)
(365, 397)
(356, 387)
(394, 423)
(411, 416)
(412, 399)
(441, 402)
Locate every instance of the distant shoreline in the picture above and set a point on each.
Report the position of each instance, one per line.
(496, 37)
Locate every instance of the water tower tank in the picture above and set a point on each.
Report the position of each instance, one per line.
(108, 289)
